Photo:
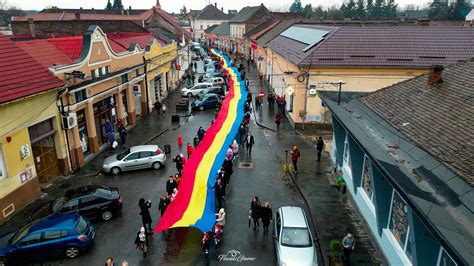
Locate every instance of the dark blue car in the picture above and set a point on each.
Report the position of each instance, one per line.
(60, 235)
(206, 101)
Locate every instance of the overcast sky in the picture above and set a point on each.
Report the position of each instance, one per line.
(176, 5)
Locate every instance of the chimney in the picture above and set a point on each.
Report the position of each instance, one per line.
(215, 4)
(77, 15)
(222, 9)
(158, 4)
(154, 10)
(436, 76)
(31, 26)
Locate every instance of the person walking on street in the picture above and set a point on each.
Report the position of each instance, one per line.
(278, 120)
(219, 191)
(206, 242)
(164, 202)
(348, 243)
(195, 66)
(110, 262)
(179, 163)
(158, 107)
(220, 220)
(266, 215)
(249, 142)
(196, 141)
(170, 185)
(123, 134)
(320, 147)
(201, 133)
(241, 139)
(145, 213)
(295, 155)
(189, 149)
(255, 210)
(193, 78)
(141, 241)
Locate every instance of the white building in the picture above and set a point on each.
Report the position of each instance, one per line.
(209, 16)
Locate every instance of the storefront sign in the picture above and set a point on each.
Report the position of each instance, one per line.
(137, 90)
(26, 175)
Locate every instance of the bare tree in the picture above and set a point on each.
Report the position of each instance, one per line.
(7, 11)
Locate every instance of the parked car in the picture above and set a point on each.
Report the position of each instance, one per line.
(59, 235)
(137, 157)
(207, 101)
(294, 242)
(211, 73)
(194, 90)
(211, 90)
(89, 201)
(215, 81)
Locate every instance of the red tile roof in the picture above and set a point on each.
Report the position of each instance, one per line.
(125, 39)
(44, 52)
(20, 74)
(70, 46)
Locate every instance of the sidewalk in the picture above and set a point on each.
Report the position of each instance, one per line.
(332, 212)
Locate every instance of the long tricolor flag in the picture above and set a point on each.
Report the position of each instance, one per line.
(194, 205)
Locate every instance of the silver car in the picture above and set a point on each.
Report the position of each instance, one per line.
(294, 243)
(137, 157)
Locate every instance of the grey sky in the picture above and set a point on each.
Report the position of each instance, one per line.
(176, 5)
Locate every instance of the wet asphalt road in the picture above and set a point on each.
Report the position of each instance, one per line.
(265, 179)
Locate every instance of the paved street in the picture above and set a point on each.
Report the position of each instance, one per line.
(266, 178)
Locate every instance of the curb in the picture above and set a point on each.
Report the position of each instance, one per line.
(258, 123)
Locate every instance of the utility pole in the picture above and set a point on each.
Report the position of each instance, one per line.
(340, 88)
(305, 98)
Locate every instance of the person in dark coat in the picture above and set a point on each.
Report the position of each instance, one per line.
(179, 163)
(249, 142)
(320, 147)
(123, 134)
(201, 133)
(278, 120)
(170, 185)
(241, 137)
(196, 141)
(266, 215)
(255, 211)
(145, 213)
(164, 202)
(158, 107)
(227, 166)
(219, 191)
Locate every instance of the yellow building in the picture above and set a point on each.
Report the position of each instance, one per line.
(161, 72)
(32, 146)
(304, 58)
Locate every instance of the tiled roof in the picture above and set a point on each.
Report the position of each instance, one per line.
(275, 31)
(439, 120)
(223, 29)
(125, 39)
(294, 50)
(20, 74)
(70, 46)
(211, 28)
(393, 47)
(246, 14)
(258, 28)
(264, 31)
(210, 12)
(45, 53)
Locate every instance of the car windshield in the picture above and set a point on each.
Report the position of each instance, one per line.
(296, 237)
(123, 154)
(20, 234)
(59, 203)
(81, 225)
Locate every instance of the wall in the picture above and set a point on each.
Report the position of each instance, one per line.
(198, 32)
(376, 207)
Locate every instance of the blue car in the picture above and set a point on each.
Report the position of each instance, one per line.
(60, 235)
(206, 101)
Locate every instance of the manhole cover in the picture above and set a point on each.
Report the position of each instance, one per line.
(246, 165)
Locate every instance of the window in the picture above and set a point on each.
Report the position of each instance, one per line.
(398, 222)
(50, 235)
(103, 73)
(367, 183)
(146, 154)
(80, 95)
(278, 225)
(123, 79)
(72, 205)
(31, 239)
(133, 156)
(444, 259)
(295, 237)
(3, 171)
(93, 74)
(137, 72)
(81, 225)
(201, 27)
(87, 201)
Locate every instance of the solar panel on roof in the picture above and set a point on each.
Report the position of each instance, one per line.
(308, 36)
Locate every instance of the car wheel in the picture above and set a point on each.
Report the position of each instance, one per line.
(157, 165)
(201, 108)
(72, 252)
(115, 170)
(106, 215)
(190, 95)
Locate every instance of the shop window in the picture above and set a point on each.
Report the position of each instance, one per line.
(398, 222)
(367, 183)
(3, 171)
(80, 95)
(444, 259)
